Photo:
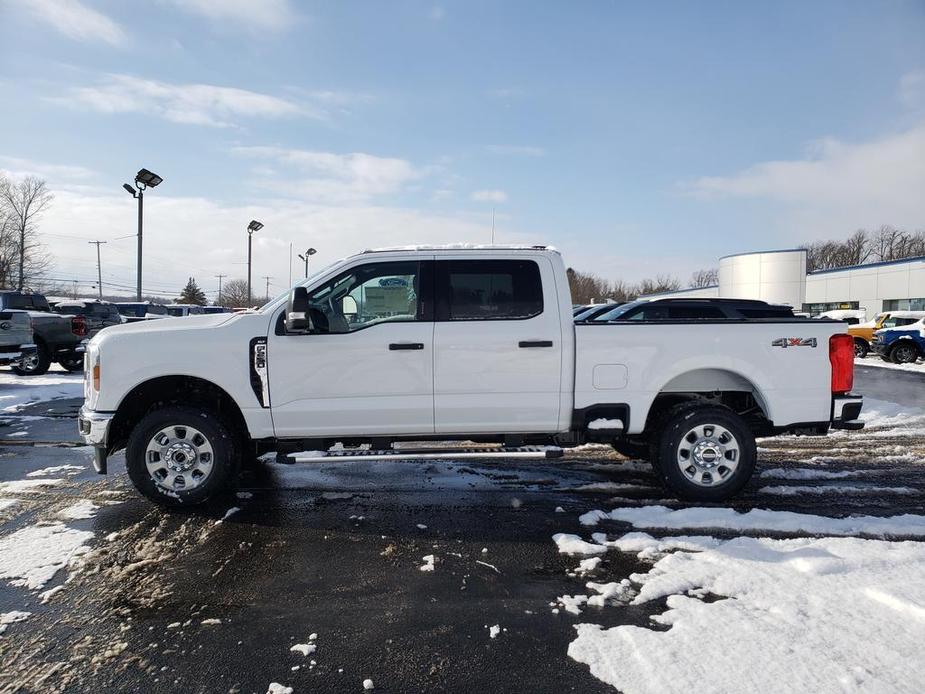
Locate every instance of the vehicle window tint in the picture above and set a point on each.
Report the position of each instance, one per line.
(368, 295)
(769, 312)
(646, 313)
(18, 302)
(155, 308)
(905, 321)
(490, 289)
(694, 312)
(175, 311)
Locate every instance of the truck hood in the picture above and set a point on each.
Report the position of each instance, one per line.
(172, 324)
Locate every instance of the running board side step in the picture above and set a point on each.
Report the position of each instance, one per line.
(530, 452)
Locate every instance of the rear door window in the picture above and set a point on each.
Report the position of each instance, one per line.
(694, 313)
(488, 290)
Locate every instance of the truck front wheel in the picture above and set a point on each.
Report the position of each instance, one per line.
(704, 452)
(181, 456)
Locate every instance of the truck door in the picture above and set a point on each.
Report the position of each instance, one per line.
(497, 346)
(367, 366)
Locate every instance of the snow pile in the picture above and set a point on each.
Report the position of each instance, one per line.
(429, 560)
(780, 473)
(572, 544)
(277, 688)
(597, 424)
(57, 470)
(606, 594)
(305, 649)
(32, 556)
(882, 413)
(28, 486)
(7, 503)
(809, 615)
(493, 631)
(906, 525)
(796, 490)
(79, 510)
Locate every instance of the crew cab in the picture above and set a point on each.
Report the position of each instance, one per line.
(901, 345)
(134, 311)
(97, 314)
(59, 338)
(473, 345)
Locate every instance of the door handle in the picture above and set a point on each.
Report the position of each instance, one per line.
(535, 343)
(406, 345)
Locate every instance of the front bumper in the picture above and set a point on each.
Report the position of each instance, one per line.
(94, 430)
(845, 411)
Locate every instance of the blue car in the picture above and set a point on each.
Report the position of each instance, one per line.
(901, 346)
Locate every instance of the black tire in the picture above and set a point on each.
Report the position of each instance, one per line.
(861, 348)
(676, 427)
(904, 353)
(633, 448)
(35, 364)
(72, 364)
(225, 456)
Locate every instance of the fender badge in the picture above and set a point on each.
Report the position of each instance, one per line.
(794, 342)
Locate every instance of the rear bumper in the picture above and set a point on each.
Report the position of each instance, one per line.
(10, 354)
(94, 430)
(846, 409)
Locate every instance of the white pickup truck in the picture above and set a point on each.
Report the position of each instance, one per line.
(454, 344)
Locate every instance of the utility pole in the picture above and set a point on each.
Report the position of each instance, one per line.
(219, 302)
(492, 225)
(290, 263)
(75, 288)
(267, 278)
(99, 267)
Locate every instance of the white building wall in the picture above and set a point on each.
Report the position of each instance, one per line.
(869, 285)
(778, 277)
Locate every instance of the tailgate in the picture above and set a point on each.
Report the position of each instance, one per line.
(15, 328)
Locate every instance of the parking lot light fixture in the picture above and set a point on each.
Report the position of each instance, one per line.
(147, 179)
(143, 179)
(251, 228)
(308, 254)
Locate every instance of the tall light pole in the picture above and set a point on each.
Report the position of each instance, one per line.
(99, 267)
(143, 179)
(308, 254)
(251, 228)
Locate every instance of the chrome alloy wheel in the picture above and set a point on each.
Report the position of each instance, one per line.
(29, 362)
(708, 454)
(179, 458)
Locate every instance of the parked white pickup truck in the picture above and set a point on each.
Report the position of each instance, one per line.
(466, 344)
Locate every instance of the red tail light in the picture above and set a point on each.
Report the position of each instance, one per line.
(79, 326)
(841, 354)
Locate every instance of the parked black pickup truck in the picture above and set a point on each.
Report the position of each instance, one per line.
(59, 338)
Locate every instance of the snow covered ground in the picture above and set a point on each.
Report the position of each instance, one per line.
(18, 391)
(875, 360)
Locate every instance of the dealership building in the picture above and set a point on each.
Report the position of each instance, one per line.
(780, 277)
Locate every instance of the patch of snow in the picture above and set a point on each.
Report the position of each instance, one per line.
(429, 560)
(49, 594)
(608, 592)
(229, 513)
(879, 363)
(305, 649)
(572, 603)
(20, 433)
(277, 688)
(607, 487)
(647, 547)
(28, 486)
(7, 503)
(559, 509)
(336, 496)
(17, 392)
(662, 517)
(212, 621)
(57, 470)
(7, 618)
(572, 544)
(843, 614)
(79, 510)
(596, 424)
(421, 526)
(368, 684)
(494, 631)
(30, 557)
(810, 474)
(244, 495)
(586, 566)
(797, 490)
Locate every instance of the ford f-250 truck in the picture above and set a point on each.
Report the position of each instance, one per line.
(465, 344)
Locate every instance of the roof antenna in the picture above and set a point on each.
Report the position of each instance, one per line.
(492, 226)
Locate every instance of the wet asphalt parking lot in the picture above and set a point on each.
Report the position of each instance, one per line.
(214, 600)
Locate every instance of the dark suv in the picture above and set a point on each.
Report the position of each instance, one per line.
(98, 314)
(695, 309)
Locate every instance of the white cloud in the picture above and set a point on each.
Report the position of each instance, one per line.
(333, 177)
(839, 186)
(75, 20)
(517, 150)
(19, 167)
(198, 104)
(489, 196)
(212, 236)
(271, 15)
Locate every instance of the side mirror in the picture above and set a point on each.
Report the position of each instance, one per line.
(298, 316)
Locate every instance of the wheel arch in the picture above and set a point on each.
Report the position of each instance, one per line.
(179, 390)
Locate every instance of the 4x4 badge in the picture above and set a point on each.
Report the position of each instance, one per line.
(794, 342)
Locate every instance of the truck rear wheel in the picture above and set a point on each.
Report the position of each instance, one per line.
(34, 364)
(72, 364)
(704, 452)
(181, 456)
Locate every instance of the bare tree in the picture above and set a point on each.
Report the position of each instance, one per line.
(705, 278)
(234, 294)
(22, 204)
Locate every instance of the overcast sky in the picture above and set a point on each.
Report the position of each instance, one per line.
(639, 138)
